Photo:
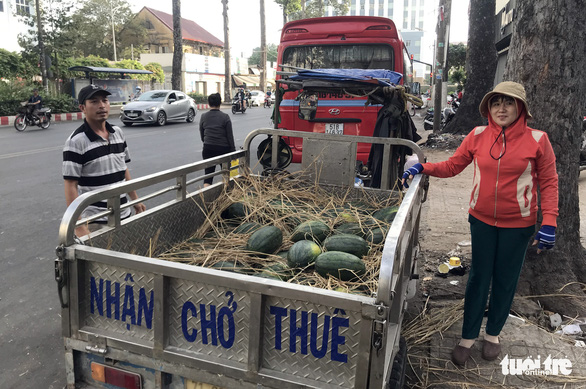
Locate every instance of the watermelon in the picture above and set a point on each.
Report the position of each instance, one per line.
(247, 228)
(350, 228)
(346, 267)
(303, 253)
(386, 215)
(314, 230)
(235, 211)
(376, 235)
(279, 269)
(228, 266)
(265, 240)
(347, 243)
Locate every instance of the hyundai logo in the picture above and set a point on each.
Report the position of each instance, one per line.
(334, 111)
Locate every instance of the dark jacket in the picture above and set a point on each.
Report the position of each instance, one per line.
(215, 128)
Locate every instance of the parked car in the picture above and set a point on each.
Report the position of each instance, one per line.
(257, 98)
(159, 106)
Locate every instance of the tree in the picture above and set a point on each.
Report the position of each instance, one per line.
(548, 59)
(158, 74)
(12, 66)
(263, 47)
(301, 9)
(90, 30)
(271, 54)
(177, 46)
(289, 7)
(458, 76)
(42, 59)
(457, 55)
(481, 61)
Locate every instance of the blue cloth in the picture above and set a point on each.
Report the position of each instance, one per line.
(349, 75)
(546, 237)
(413, 170)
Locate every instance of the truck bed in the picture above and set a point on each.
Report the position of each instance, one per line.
(172, 322)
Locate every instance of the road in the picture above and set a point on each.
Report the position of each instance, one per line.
(31, 194)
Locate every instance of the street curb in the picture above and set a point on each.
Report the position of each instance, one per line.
(65, 117)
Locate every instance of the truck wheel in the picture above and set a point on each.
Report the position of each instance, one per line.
(397, 380)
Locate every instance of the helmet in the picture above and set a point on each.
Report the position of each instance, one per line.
(138, 88)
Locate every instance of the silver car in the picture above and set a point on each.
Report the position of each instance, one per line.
(159, 106)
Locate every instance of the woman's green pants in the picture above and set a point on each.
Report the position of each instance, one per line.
(497, 255)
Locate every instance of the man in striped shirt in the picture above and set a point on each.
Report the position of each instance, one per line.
(95, 155)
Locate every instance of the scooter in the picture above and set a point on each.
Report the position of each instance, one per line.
(236, 106)
(26, 117)
(447, 114)
(267, 103)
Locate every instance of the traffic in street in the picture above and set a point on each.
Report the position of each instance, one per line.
(33, 204)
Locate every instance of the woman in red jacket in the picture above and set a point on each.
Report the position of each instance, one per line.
(511, 160)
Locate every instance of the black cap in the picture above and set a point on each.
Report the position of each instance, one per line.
(87, 92)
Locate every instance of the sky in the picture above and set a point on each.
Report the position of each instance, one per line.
(244, 20)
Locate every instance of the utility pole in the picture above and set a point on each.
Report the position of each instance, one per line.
(443, 33)
(227, 71)
(41, 46)
(263, 48)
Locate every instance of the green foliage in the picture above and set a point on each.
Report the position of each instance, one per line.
(61, 103)
(157, 70)
(92, 60)
(457, 55)
(199, 99)
(302, 9)
(458, 76)
(12, 66)
(271, 54)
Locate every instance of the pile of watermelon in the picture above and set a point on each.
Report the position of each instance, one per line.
(291, 233)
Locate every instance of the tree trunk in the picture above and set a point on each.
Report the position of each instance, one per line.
(176, 77)
(263, 48)
(547, 55)
(481, 62)
(227, 70)
(41, 45)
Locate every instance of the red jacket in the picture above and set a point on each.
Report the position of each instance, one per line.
(504, 191)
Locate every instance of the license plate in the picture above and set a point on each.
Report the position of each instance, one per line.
(335, 128)
(132, 114)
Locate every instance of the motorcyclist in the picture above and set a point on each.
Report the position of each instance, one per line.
(268, 98)
(34, 104)
(240, 96)
(137, 92)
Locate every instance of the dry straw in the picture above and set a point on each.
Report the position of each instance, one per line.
(284, 201)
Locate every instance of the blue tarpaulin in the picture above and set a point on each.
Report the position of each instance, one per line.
(369, 75)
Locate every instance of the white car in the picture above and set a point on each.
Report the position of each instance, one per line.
(257, 97)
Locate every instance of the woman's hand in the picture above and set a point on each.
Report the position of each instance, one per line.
(545, 237)
(409, 173)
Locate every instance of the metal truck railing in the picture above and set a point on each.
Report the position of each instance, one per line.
(121, 304)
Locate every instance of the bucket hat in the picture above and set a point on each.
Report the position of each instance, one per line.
(507, 88)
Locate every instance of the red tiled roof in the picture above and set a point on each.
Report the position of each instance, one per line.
(191, 30)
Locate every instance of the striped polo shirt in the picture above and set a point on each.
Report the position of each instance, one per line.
(96, 163)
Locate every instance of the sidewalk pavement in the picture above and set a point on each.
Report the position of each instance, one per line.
(62, 117)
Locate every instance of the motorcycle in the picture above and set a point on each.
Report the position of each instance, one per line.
(236, 105)
(26, 117)
(446, 116)
(267, 103)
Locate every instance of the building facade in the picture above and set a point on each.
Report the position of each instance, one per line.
(415, 19)
(10, 25)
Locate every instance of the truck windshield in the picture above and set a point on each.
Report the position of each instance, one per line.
(373, 56)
